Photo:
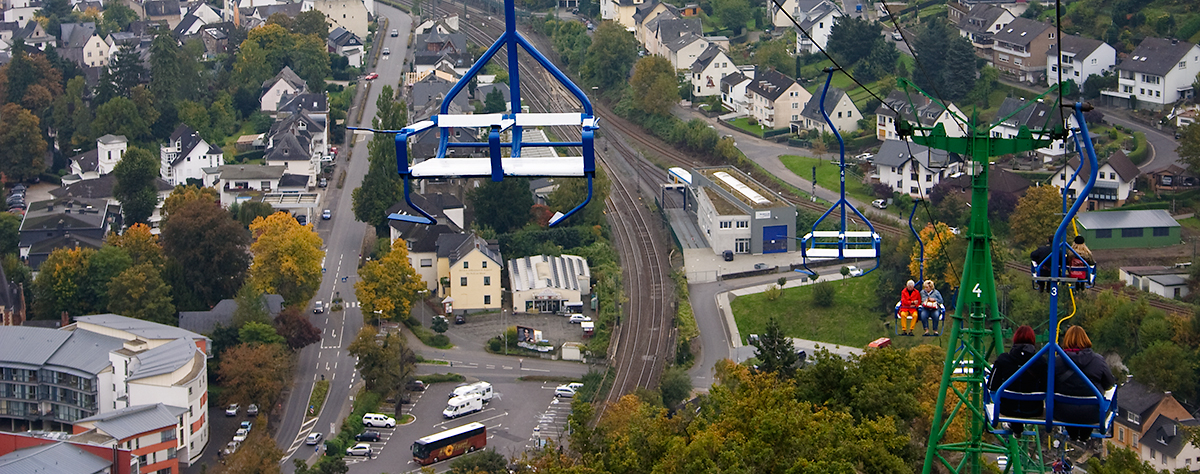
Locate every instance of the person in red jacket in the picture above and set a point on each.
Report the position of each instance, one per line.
(910, 300)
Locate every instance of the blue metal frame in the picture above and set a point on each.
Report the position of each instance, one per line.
(841, 203)
(512, 39)
(921, 274)
(1035, 267)
(1106, 408)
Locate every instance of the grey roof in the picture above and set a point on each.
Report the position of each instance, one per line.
(1166, 436)
(770, 84)
(817, 13)
(732, 80)
(293, 181)
(1079, 46)
(999, 180)
(1168, 280)
(287, 147)
(1126, 219)
(706, 58)
(342, 37)
(675, 33)
(86, 351)
(204, 322)
(928, 110)
(1036, 116)
(110, 139)
(88, 160)
(66, 212)
(980, 18)
(185, 25)
(127, 422)
(896, 153)
(188, 139)
(1136, 397)
(812, 108)
(456, 246)
(1119, 162)
(482, 92)
(229, 172)
(451, 46)
(76, 35)
(137, 327)
(99, 188)
(306, 101)
(53, 458)
(164, 359)
(1156, 56)
(162, 8)
(285, 74)
(1021, 31)
(30, 346)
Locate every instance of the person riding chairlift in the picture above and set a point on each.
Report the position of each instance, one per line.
(910, 300)
(1032, 380)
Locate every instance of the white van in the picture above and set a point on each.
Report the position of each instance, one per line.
(459, 406)
(376, 420)
(483, 389)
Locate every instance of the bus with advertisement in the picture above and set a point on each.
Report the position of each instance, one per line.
(449, 443)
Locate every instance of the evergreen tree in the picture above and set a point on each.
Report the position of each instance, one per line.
(775, 351)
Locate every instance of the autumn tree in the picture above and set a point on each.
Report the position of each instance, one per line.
(384, 366)
(1189, 146)
(287, 258)
(942, 250)
(183, 194)
(389, 285)
(207, 254)
(1166, 367)
(139, 292)
(654, 85)
(296, 329)
(141, 245)
(1037, 215)
(22, 142)
(62, 283)
(258, 455)
(136, 175)
(247, 212)
(254, 373)
(255, 332)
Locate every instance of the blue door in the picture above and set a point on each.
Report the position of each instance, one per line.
(775, 239)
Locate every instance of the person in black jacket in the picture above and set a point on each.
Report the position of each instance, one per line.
(1067, 382)
(1032, 380)
(1038, 256)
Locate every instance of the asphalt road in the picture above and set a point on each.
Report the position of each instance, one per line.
(343, 236)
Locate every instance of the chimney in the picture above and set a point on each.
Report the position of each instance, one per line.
(66, 319)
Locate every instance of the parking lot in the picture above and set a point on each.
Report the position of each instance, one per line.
(521, 415)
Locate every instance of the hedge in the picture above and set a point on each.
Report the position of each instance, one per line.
(1141, 149)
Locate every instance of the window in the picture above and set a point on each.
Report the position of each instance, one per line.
(1121, 434)
(795, 117)
(1127, 89)
(726, 224)
(462, 281)
(741, 245)
(1062, 176)
(912, 190)
(1093, 60)
(466, 264)
(1135, 439)
(487, 299)
(1103, 233)
(426, 262)
(1176, 293)
(1157, 93)
(1135, 232)
(743, 224)
(1134, 417)
(1142, 90)
(839, 115)
(899, 184)
(913, 176)
(928, 190)
(1182, 64)
(928, 177)
(795, 105)
(487, 281)
(484, 265)
(1162, 231)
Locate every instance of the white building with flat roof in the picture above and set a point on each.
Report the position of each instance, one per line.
(548, 284)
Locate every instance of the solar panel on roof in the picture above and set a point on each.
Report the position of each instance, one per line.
(741, 188)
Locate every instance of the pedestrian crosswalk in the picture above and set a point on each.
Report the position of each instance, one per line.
(351, 304)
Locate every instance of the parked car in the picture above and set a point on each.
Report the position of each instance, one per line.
(376, 420)
(575, 386)
(879, 204)
(302, 219)
(323, 182)
(326, 215)
(954, 230)
(369, 435)
(459, 319)
(231, 448)
(761, 266)
(247, 425)
(564, 391)
(897, 36)
(864, 157)
(233, 410)
(578, 318)
(360, 449)
(313, 439)
(241, 435)
(395, 32)
(386, 51)
(318, 307)
(415, 386)
(855, 271)
(371, 76)
(728, 255)
(252, 410)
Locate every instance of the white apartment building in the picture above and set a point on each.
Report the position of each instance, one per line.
(1159, 72)
(1081, 58)
(914, 169)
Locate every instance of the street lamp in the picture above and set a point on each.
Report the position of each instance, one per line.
(504, 317)
(378, 316)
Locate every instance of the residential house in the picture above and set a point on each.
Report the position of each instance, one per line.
(440, 25)
(1114, 181)
(298, 143)
(1172, 178)
(548, 284)
(314, 105)
(216, 41)
(469, 272)
(81, 44)
(1081, 58)
(25, 452)
(739, 214)
(238, 183)
(422, 240)
(65, 222)
(102, 188)
(73, 365)
(1034, 116)
(1168, 282)
(286, 82)
(85, 5)
(170, 11)
(1157, 73)
(683, 51)
(432, 49)
(914, 169)
(1140, 229)
(644, 16)
(1138, 406)
(185, 156)
(95, 163)
(733, 91)
(680, 40)
(928, 112)
(344, 43)
(841, 110)
(20, 11)
(981, 23)
(221, 314)
(801, 11)
(775, 97)
(1019, 49)
(622, 11)
(707, 71)
(33, 34)
(152, 432)
(352, 15)
(817, 22)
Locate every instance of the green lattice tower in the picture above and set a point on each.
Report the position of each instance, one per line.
(975, 327)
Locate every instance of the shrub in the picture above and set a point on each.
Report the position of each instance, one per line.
(495, 344)
(773, 292)
(439, 340)
(781, 281)
(823, 293)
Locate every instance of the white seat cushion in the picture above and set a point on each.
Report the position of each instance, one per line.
(476, 121)
(546, 120)
(467, 167)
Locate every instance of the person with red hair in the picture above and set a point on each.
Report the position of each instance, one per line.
(1032, 380)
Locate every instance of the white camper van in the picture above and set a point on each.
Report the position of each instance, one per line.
(463, 405)
(483, 389)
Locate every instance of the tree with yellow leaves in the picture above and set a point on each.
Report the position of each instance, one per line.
(944, 254)
(389, 285)
(140, 244)
(184, 194)
(1037, 215)
(287, 258)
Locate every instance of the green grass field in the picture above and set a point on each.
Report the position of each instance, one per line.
(850, 321)
(744, 124)
(828, 175)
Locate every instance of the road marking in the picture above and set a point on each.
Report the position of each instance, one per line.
(534, 370)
